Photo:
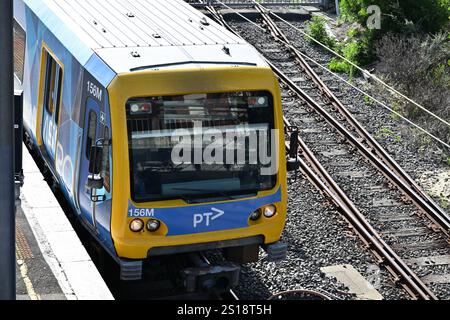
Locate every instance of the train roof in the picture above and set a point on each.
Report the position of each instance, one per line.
(131, 35)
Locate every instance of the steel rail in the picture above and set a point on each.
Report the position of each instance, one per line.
(390, 169)
(321, 179)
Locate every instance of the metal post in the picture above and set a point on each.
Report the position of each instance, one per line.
(7, 204)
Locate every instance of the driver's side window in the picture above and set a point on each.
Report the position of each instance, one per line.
(91, 133)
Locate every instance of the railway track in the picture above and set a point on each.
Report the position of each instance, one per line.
(404, 229)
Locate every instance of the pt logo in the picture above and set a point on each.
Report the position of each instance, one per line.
(207, 217)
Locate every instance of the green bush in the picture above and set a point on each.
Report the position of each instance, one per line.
(397, 17)
(317, 30)
(357, 50)
(352, 51)
(400, 16)
(337, 65)
(368, 101)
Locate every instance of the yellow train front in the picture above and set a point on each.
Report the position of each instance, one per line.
(200, 160)
(163, 130)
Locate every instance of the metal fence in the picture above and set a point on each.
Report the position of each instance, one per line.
(241, 3)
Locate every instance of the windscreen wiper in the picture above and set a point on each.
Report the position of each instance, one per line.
(209, 191)
(252, 192)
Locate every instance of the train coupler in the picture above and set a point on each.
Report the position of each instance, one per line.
(212, 279)
(276, 251)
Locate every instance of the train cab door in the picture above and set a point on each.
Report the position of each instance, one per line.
(93, 202)
(52, 85)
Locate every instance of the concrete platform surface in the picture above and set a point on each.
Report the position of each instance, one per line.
(51, 261)
(354, 281)
(34, 278)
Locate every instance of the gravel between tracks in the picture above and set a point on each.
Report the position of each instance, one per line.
(317, 237)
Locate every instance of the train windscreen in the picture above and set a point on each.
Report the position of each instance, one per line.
(200, 146)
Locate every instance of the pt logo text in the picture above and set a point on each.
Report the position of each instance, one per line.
(206, 218)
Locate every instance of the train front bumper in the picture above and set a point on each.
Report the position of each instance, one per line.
(147, 246)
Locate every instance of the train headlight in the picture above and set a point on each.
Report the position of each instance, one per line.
(136, 225)
(262, 100)
(256, 215)
(270, 211)
(153, 225)
(134, 108)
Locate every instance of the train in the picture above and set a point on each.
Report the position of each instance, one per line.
(140, 112)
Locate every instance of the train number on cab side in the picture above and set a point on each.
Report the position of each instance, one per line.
(94, 90)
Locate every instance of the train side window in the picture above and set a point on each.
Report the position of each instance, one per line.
(19, 50)
(106, 174)
(53, 85)
(91, 133)
(58, 95)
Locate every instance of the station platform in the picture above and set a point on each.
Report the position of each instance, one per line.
(52, 264)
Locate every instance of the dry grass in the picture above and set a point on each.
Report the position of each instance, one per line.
(419, 67)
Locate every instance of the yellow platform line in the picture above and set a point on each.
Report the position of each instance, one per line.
(24, 274)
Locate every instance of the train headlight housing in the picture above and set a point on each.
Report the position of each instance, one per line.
(142, 107)
(256, 215)
(270, 211)
(153, 225)
(136, 225)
